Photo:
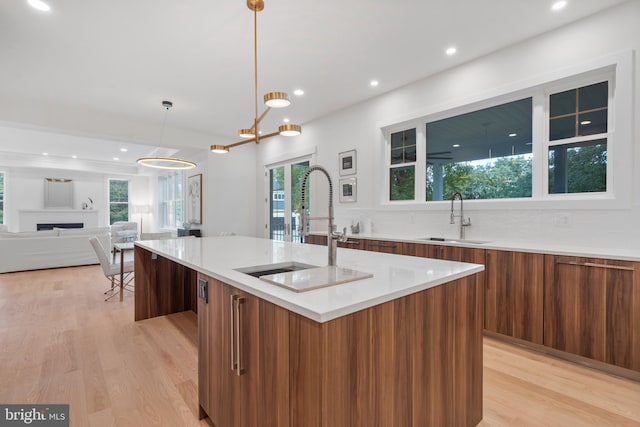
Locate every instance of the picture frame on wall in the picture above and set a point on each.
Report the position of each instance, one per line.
(348, 190)
(194, 199)
(347, 162)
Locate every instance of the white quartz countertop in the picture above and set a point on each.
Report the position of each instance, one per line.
(567, 249)
(394, 276)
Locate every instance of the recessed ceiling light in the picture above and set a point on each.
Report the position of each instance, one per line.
(285, 120)
(374, 83)
(74, 157)
(45, 154)
(39, 4)
(298, 92)
(116, 158)
(456, 145)
(559, 5)
(450, 51)
(513, 134)
(124, 150)
(585, 122)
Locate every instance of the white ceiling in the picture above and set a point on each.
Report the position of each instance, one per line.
(102, 68)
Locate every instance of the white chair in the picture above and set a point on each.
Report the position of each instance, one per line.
(112, 270)
(123, 231)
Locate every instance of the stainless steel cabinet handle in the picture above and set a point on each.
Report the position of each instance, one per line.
(240, 369)
(593, 264)
(232, 300)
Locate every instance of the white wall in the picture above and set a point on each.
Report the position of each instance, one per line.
(229, 190)
(358, 128)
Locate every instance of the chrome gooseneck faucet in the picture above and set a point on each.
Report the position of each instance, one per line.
(333, 236)
(463, 223)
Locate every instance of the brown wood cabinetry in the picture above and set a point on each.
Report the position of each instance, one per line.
(514, 294)
(316, 239)
(162, 286)
(243, 357)
(414, 361)
(352, 243)
(385, 246)
(592, 309)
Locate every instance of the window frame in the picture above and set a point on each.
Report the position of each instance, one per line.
(575, 83)
(619, 69)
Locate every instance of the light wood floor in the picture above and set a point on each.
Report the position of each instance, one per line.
(61, 343)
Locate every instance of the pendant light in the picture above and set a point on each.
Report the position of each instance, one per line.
(271, 99)
(165, 162)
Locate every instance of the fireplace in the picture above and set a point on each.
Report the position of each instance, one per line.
(50, 226)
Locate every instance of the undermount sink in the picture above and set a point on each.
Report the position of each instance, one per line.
(299, 277)
(282, 267)
(462, 241)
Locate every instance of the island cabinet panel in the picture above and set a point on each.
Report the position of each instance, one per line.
(514, 294)
(592, 309)
(415, 361)
(162, 286)
(243, 357)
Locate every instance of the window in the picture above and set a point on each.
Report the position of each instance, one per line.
(118, 200)
(490, 152)
(2, 187)
(485, 154)
(402, 169)
(578, 123)
(170, 200)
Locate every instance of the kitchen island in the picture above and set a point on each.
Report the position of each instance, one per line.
(402, 348)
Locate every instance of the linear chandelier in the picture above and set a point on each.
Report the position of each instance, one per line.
(271, 99)
(165, 162)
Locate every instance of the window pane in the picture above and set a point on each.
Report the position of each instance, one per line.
(562, 103)
(402, 183)
(594, 96)
(277, 203)
(578, 168)
(593, 123)
(297, 171)
(397, 156)
(410, 154)
(564, 127)
(485, 154)
(396, 140)
(118, 212)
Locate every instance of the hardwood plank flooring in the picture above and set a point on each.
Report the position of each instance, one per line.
(61, 343)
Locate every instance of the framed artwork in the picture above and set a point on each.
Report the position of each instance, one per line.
(194, 199)
(348, 190)
(347, 162)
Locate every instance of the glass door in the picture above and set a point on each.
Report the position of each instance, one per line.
(284, 200)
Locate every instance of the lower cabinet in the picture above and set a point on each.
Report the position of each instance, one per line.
(514, 287)
(243, 357)
(414, 361)
(583, 306)
(592, 309)
(385, 246)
